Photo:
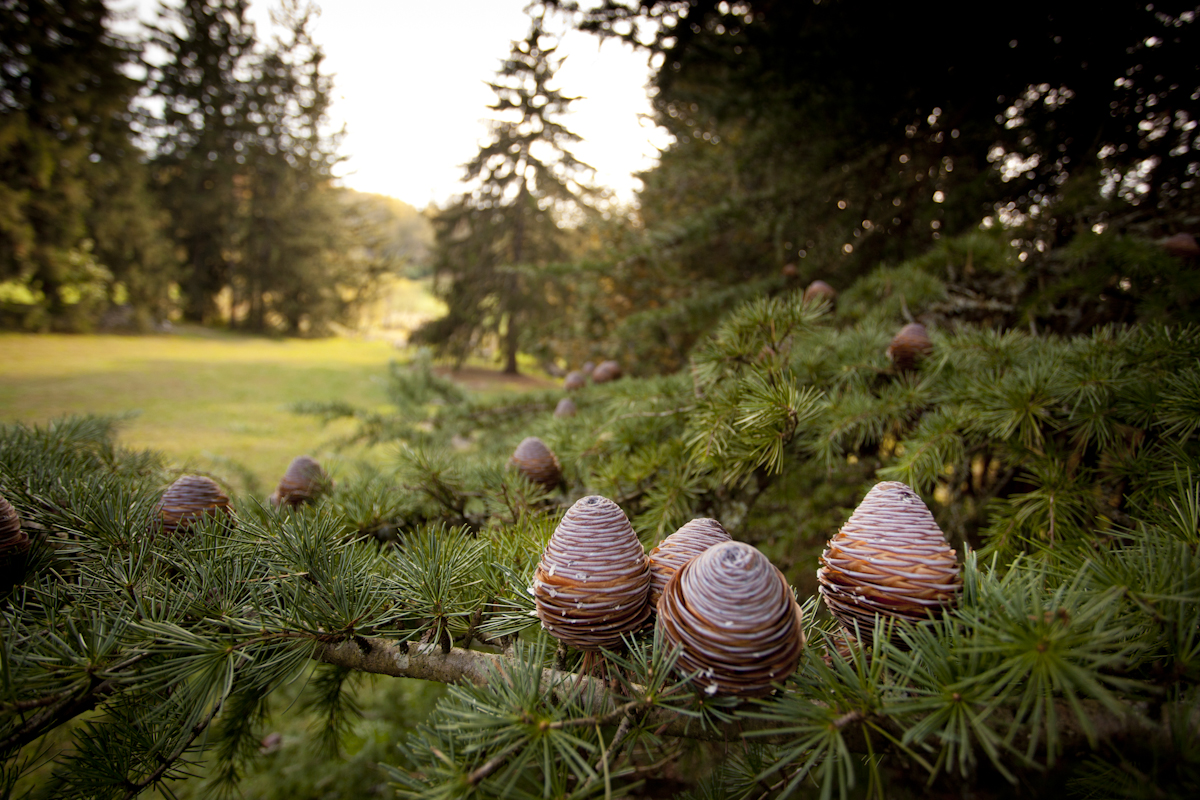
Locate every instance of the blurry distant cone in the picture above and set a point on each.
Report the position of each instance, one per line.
(679, 548)
(606, 371)
(890, 560)
(536, 461)
(591, 583)
(303, 482)
(187, 501)
(909, 346)
(574, 381)
(1181, 245)
(565, 408)
(735, 620)
(819, 290)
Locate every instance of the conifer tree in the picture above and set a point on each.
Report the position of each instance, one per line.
(75, 216)
(201, 136)
(491, 242)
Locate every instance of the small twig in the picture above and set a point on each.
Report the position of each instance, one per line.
(495, 762)
(134, 788)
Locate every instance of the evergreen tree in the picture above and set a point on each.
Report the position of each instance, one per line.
(75, 217)
(294, 225)
(204, 82)
(491, 242)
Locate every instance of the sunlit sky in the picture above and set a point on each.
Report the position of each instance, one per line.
(410, 86)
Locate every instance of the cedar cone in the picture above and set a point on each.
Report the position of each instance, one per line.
(1181, 245)
(565, 408)
(606, 371)
(186, 501)
(591, 583)
(536, 461)
(679, 548)
(574, 381)
(819, 290)
(889, 559)
(303, 482)
(736, 618)
(909, 346)
(14, 543)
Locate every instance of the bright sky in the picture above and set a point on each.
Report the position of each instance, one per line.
(409, 84)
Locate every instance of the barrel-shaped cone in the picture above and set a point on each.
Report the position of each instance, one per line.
(591, 584)
(890, 560)
(735, 619)
(187, 501)
(679, 548)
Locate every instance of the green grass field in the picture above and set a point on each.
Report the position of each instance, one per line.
(210, 401)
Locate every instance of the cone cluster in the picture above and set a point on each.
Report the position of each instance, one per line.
(303, 482)
(909, 346)
(591, 584)
(735, 617)
(606, 371)
(537, 462)
(566, 408)
(889, 560)
(187, 501)
(679, 548)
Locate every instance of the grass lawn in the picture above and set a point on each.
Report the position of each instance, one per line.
(211, 401)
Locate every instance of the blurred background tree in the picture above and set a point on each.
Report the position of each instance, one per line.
(78, 227)
(492, 243)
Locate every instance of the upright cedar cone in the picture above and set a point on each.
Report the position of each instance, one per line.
(565, 408)
(890, 559)
(591, 584)
(909, 346)
(735, 617)
(606, 371)
(820, 290)
(574, 381)
(1181, 245)
(303, 482)
(187, 501)
(679, 548)
(537, 462)
(14, 543)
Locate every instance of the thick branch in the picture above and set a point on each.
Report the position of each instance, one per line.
(429, 663)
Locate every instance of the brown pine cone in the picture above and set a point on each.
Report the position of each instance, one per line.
(679, 548)
(1181, 245)
(820, 290)
(303, 482)
(909, 346)
(736, 619)
(606, 371)
(14, 543)
(537, 462)
(591, 584)
(187, 501)
(565, 408)
(890, 559)
(574, 381)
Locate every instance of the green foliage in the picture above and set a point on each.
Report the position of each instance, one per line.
(493, 243)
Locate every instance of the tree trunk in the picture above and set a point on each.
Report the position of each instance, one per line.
(510, 346)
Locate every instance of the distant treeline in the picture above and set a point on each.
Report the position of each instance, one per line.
(186, 173)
